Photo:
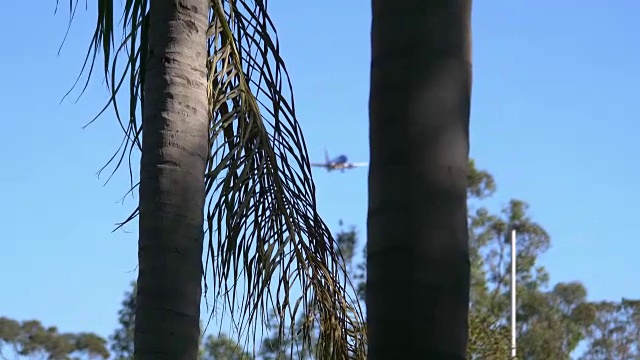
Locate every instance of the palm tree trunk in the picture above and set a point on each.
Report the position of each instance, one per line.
(418, 256)
(172, 193)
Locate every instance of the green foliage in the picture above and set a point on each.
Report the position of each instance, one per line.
(488, 339)
(122, 337)
(615, 333)
(282, 346)
(222, 347)
(551, 322)
(480, 184)
(31, 340)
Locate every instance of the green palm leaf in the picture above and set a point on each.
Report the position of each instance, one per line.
(263, 226)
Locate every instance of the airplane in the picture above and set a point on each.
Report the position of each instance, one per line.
(339, 163)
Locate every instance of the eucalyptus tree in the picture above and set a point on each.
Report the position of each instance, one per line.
(552, 321)
(615, 332)
(29, 339)
(418, 270)
(217, 127)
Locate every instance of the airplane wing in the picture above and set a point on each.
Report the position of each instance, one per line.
(319, 165)
(359, 164)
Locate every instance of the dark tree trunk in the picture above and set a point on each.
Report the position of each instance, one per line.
(418, 255)
(172, 193)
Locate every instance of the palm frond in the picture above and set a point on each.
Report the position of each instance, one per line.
(264, 194)
(264, 230)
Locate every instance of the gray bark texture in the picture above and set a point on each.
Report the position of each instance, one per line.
(172, 193)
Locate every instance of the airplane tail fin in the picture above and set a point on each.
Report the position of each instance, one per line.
(326, 155)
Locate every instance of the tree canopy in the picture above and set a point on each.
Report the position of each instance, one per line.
(30, 339)
(552, 320)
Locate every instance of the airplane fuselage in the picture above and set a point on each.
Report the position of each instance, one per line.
(339, 163)
(342, 159)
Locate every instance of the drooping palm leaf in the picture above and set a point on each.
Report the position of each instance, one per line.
(264, 230)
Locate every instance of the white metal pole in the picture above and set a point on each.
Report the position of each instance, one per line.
(513, 294)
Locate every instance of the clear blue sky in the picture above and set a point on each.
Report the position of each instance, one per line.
(554, 118)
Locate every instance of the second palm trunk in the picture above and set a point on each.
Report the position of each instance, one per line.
(417, 252)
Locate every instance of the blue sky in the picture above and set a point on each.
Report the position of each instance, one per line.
(554, 119)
